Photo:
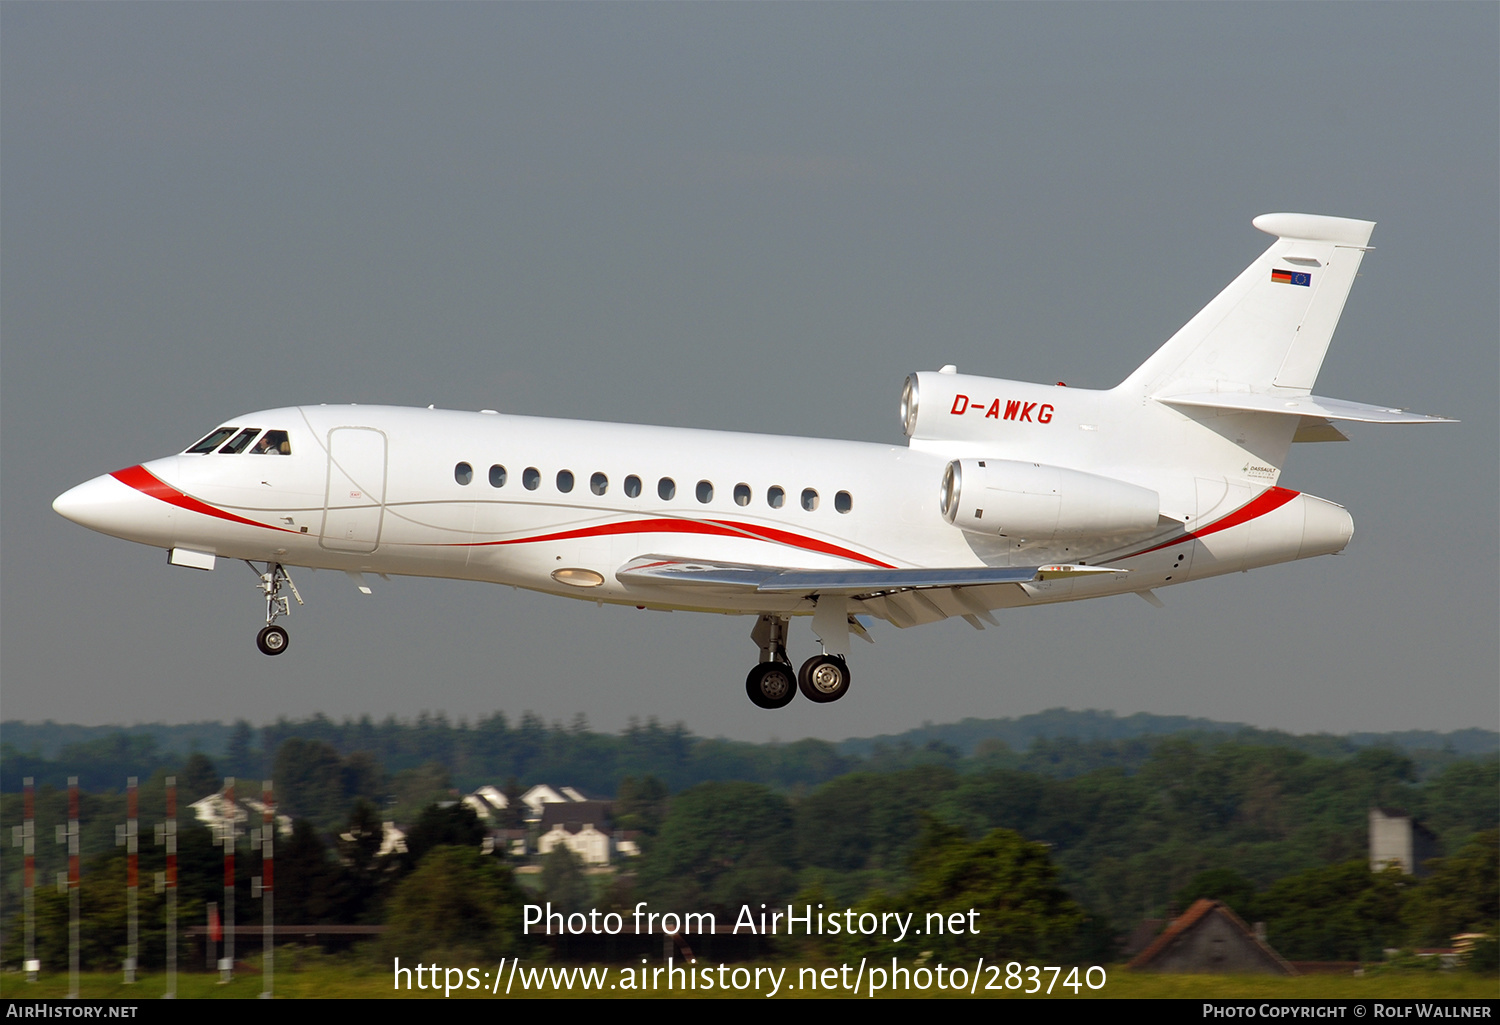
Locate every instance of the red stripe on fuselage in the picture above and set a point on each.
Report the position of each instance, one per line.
(147, 483)
(717, 528)
(1267, 501)
(786, 537)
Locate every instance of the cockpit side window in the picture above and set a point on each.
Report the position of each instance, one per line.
(273, 443)
(211, 442)
(241, 440)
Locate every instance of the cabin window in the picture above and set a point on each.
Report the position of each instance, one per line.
(742, 494)
(241, 440)
(775, 497)
(272, 443)
(565, 481)
(809, 499)
(463, 473)
(705, 491)
(666, 489)
(598, 484)
(531, 477)
(843, 501)
(497, 476)
(211, 442)
(632, 486)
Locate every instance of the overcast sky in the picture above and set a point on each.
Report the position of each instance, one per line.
(758, 217)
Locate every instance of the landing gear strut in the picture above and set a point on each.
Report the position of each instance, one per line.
(272, 639)
(771, 683)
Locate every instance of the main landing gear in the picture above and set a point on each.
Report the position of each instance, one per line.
(272, 639)
(823, 678)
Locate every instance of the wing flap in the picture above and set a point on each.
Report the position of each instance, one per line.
(660, 569)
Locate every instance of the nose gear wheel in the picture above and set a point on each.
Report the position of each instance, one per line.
(273, 639)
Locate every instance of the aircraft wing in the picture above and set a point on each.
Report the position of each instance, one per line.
(661, 569)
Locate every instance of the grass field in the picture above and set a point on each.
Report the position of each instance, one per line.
(310, 975)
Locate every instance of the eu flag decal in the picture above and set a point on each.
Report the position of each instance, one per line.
(1291, 277)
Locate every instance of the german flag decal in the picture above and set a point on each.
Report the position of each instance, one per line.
(1290, 277)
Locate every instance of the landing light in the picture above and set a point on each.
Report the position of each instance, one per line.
(577, 577)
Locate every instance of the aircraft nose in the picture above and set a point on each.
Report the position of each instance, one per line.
(103, 504)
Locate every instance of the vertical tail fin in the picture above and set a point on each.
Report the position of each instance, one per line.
(1268, 331)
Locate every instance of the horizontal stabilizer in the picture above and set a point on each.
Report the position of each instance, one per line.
(1303, 405)
(654, 569)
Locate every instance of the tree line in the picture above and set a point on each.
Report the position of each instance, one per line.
(1127, 830)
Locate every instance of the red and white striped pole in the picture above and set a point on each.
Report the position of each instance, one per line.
(170, 836)
(268, 850)
(73, 887)
(28, 877)
(226, 965)
(132, 880)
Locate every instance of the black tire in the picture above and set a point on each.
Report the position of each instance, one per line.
(272, 640)
(770, 685)
(824, 678)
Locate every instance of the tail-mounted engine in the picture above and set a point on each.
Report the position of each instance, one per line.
(1036, 502)
(950, 406)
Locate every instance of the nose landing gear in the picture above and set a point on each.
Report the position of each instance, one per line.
(272, 639)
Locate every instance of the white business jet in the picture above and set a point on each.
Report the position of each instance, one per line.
(1006, 494)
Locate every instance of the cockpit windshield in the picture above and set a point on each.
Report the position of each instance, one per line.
(272, 443)
(211, 442)
(241, 440)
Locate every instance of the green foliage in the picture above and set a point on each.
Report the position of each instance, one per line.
(1221, 884)
(457, 903)
(451, 825)
(314, 782)
(1484, 957)
(641, 804)
(1461, 895)
(860, 830)
(198, 778)
(563, 881)
(363, 881)
(1460, 800)
(996, 897)
(722, 845)
(413, 789)
(239, 757)
(1339, 912)
(307, 883)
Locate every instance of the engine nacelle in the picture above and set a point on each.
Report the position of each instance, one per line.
(1035, 502)
(950, 406)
